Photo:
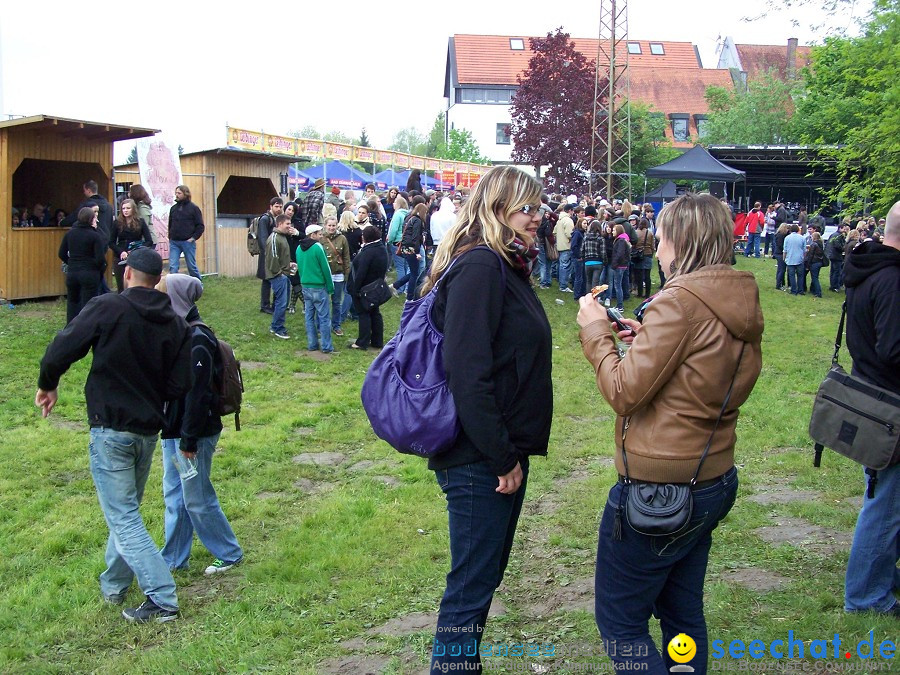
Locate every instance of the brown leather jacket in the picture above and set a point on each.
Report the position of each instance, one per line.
(674, 378)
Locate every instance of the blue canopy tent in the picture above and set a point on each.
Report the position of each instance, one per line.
(399, 178)
(338, 174)
(298, 179)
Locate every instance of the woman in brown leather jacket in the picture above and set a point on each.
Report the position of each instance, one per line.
(702, 331)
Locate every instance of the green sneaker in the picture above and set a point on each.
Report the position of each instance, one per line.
(220, 566)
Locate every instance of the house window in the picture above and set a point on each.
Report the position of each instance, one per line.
(517, 44)
(634, 47)
(483, 95)
(680, 126)
(657, 48)
(503, 133)
(701, 122)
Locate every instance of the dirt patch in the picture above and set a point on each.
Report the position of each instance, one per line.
(253, 365)
(372, 664)
(364, 465)
(856, 502)
(593, 419)
(405, 625)
(226, 584)
(577, 594)
(315, 356)
(498, 607)
(575, 477)
(64, 478)
(355, 645)
(304, 431)
(319, 458)
(68, 425)
(784, 494)
(544, 505)
(797, 532)
(755, 579)
(305, 376)
(310, 487)
(390, 481)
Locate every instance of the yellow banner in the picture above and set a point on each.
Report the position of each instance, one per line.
(309, 148)
(245, 140)
(416, 162)
(448, 167)
(384, 157)
(363, 154)
(281, 145)
(432, 164)
(401, 160)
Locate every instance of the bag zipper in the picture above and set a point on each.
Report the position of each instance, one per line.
(886, 425)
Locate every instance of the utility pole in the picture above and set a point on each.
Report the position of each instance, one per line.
(611, 133)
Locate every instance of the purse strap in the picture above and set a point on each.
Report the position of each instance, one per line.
(840, 334)
(715, 428)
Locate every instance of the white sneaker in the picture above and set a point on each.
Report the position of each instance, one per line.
(566, 290)
(606, 303)
(220, 566)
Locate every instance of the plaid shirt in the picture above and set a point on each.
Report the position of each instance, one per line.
(311, 213)
(593, 247)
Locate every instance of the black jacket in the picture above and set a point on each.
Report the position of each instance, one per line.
(83, 248)
(497, 353)
(185, 221)
(369, 265)
(621, 253)
(412, 233)
(354, 240)
(264, 228)
(872, 278)
(142, 354)
(195, 415)
(104, 216)
(120, 239)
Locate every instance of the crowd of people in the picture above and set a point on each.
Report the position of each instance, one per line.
(693, 357)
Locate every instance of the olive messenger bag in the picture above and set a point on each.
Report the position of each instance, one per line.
(856, 418)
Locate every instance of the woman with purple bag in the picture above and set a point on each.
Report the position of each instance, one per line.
(497, 358)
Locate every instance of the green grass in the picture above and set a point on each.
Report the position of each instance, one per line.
(326, 566)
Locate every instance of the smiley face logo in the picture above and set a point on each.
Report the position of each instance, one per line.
(682, 648)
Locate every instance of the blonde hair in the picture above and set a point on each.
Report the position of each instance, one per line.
(699, 227)
(483, 218)
(348, 221)
(784, 228)
(627, 208)
(400, 203)
(329, 210)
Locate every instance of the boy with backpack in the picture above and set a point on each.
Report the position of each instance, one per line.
(190, 434)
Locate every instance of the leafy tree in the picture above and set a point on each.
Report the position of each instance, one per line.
(552, 111)
(436, 143)
(852, 106)
(363, 139)
(132, 156)
(409, 140)
(313, 133)
(462, 147)
(759, 116)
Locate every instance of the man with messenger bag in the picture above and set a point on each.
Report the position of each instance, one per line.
(858, 415)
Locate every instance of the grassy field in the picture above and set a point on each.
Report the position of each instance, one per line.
(346, 552)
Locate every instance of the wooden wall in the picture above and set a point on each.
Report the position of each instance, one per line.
(223, 247)
(29, 266)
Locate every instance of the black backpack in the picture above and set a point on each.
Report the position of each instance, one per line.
(227, 384)
(254, 247)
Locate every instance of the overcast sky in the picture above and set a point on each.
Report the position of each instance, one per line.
(189, 68)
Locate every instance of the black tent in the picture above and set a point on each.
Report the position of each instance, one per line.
(667, 192)
(696, 164)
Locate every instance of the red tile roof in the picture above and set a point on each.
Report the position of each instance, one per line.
(488, 59)
(757, 59)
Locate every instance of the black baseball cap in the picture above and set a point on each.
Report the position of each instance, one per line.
(145, 260)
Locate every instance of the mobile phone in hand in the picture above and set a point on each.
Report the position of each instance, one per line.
(616, 317)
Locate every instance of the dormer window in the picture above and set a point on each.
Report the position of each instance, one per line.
(517, 44)
(634, 47)
(657, 48)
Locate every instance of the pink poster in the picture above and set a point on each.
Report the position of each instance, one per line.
(160, 169)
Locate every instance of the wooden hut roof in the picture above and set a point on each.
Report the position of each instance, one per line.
(98, 131)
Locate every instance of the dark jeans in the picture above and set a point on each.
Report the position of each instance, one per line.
(265, 294)
(835, 276)
(482, 526)
(814, 286)
(643, 282)
(412, 261)
(638, 576)
(770, 238)
(780, 272)
(371, 326)
(578, 278)
(593, 274)
(794, 274)
(81, 286)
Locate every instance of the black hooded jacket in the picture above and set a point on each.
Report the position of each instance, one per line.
(105, 215)
(142, 353)
(872, 278)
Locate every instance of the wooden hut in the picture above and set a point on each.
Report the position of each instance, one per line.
(47, 159)
(231, 187)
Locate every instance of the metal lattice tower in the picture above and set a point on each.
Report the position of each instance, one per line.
(611, 143)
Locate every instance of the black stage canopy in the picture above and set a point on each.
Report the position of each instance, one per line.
(696, 164)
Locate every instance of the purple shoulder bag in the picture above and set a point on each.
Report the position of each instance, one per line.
(405, 393)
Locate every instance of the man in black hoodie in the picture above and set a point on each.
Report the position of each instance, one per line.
(105, 216)
(872, 278)
(141, 361)
(185, 228)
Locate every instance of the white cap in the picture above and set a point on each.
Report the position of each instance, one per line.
(310, 229)
(603, 202)
(571, 199)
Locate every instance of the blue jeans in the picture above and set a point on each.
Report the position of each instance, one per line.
(337, 303)
(281, 288)
(752, 247)
(780, 272)
(814, 286)
(593, 275)
(318, 319)
(619, 276)
(347, 308)
(578, 278)
(872, 573)
(482, 526)
(189, 248)
(192, 505)
(565, 269)
(410, 279)
(402, 269)
(638, 576)
(794, 272)
(544, 264)
(834, 277)
(120, 464)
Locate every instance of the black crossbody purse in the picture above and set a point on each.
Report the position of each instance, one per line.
(658, 509)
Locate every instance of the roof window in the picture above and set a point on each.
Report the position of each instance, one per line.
(517, 44)
(634, 47)
(657, 48)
